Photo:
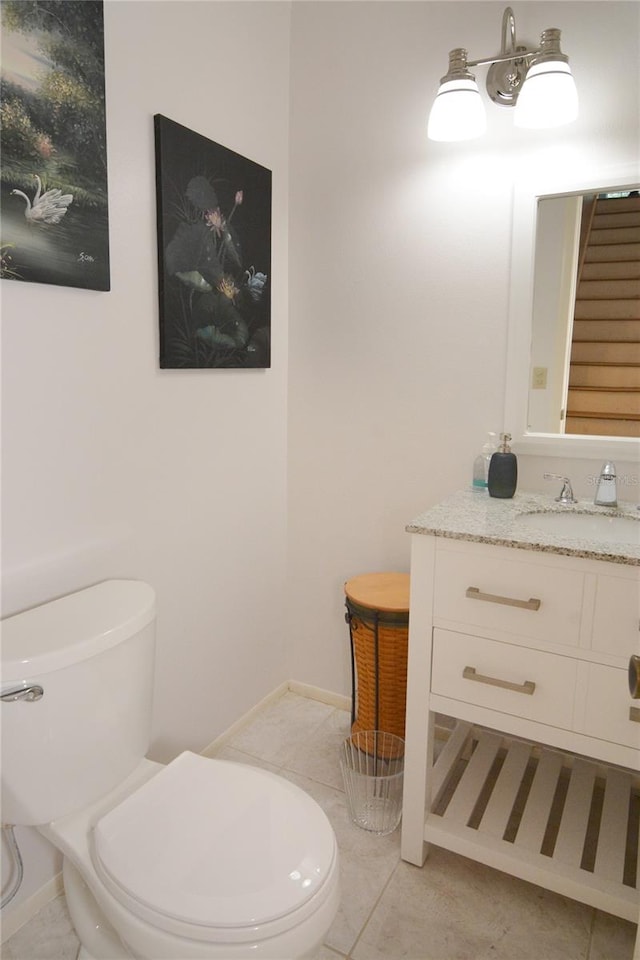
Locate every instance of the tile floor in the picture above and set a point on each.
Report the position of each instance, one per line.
(451, 909)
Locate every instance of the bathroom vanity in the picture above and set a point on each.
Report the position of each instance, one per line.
(521, 628)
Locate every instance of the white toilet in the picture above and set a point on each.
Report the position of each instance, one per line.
(199, 858)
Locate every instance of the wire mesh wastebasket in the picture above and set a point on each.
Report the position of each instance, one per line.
(372, 764)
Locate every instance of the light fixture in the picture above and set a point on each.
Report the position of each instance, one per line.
(538, 83)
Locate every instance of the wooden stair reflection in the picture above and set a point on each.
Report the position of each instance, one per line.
(604, 379)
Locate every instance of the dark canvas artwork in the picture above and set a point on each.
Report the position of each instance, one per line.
(214, 252)
(53, 169)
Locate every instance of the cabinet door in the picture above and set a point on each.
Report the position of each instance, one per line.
(616, 617)
(529, 599)
(500, 676)
(611, 714)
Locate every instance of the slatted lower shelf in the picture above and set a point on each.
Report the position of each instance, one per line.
(565, 822)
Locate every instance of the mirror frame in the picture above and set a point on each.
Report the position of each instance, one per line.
(525, 204)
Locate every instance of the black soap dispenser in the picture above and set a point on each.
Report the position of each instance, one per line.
(503, 471)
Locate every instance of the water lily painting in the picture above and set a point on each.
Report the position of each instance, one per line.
(214, 252)
(53, 177)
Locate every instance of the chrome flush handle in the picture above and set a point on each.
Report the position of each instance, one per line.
(30, 693)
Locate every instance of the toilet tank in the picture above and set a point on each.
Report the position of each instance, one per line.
(92, 653)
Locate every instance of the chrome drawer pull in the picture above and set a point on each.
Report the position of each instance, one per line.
(634, 714)
(474, 593)
(528, 687)
(634, 676)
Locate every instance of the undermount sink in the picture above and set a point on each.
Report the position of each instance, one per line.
(584, 526)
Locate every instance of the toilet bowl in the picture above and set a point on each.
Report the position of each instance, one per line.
(200, 858)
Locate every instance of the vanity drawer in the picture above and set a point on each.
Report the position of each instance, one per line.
(610, 712)
(529, 599)
(616, 616)
(499, 676)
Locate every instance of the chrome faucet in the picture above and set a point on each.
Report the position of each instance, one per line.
(606, 491)
(566, 494)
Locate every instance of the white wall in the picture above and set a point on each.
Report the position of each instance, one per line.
(113, 468)
(399, 275)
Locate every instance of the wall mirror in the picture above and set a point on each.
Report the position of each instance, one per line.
(551, 405)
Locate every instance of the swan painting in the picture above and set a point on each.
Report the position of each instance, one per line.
(55, 223)
(47, 207)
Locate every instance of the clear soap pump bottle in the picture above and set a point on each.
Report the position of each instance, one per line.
(482, 461)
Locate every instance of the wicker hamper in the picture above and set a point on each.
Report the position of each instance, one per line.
(378, 617)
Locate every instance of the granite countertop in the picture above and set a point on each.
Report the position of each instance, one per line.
(474, 515)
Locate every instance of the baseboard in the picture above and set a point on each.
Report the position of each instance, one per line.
(25, 911)
(337, 700)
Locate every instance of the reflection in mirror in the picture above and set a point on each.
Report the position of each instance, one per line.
(584, 374)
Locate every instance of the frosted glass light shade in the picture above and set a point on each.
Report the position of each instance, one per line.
(457, 112)
(548, 97)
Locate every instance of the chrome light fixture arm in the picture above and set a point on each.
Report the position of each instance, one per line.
(507, 72)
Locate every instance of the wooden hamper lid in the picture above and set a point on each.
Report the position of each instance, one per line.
(380, 591)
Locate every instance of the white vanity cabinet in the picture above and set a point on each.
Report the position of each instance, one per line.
(528, 650)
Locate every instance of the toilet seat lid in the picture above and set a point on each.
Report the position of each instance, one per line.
(217, 844)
